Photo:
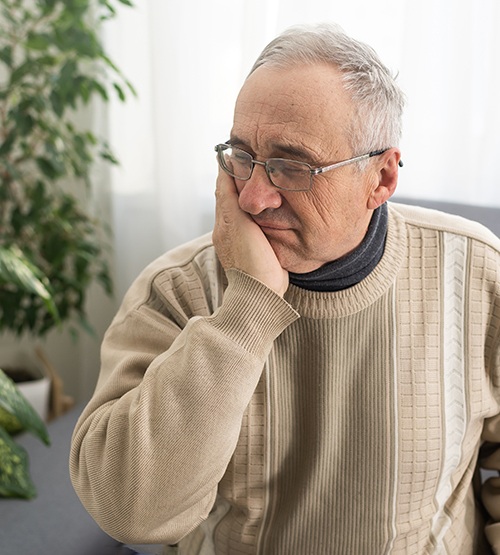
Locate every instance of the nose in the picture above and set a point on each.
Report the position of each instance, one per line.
(258, 193)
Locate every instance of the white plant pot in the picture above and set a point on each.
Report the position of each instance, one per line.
(37, 392)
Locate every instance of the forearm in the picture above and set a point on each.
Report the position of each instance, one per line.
(147, 463)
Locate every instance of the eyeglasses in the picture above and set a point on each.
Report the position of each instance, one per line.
(289, 175)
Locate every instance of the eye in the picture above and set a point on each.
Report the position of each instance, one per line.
(289, 174)
(288, 168)
(239, 156)
(294, 170)
(237, 162)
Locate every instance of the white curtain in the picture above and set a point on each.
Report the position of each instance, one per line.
(188, 60)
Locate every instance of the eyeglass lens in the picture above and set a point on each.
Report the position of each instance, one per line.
(285, 174)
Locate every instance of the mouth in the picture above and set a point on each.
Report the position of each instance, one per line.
(271, 226)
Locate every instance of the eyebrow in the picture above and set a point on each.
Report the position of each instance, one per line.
(295, 152)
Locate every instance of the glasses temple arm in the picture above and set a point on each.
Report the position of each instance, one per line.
(377, 152)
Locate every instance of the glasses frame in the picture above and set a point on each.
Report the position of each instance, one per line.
(312, 171)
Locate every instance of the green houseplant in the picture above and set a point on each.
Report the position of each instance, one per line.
(52, 64)
(16, 414)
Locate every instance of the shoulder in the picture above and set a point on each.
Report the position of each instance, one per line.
(197, 252)
(427, 218)
(187, 276)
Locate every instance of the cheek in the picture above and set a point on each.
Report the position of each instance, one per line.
(333, 207)
(320, 210)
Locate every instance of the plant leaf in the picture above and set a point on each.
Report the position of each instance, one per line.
(119, 91)
(9, 422)
(7, 144)
(17, 269)
(6, 54)
(15, 480)
(38, 41)
(14, 402)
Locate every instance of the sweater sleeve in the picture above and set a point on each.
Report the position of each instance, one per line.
(490, 451)
(154, 441)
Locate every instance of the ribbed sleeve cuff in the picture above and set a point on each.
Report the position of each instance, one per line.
(252, 314)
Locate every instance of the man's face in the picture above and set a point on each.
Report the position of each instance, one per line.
(302, 114)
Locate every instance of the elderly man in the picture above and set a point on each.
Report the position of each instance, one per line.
(319, 376)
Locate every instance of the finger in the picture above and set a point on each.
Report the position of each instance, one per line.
(225, 187)
(227, 207)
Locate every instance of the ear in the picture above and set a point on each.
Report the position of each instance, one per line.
(386, 176)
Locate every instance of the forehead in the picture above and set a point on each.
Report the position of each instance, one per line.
(305, 107)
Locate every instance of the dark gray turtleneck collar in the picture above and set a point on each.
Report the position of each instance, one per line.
(352, 268)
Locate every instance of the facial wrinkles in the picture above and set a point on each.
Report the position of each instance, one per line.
(319, 207)
(260, 135)
(284, 114)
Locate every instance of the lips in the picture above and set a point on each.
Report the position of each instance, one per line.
(274, 226)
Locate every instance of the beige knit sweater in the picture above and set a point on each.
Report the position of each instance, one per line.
(344, 423)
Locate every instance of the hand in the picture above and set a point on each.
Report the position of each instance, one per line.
(239, 241)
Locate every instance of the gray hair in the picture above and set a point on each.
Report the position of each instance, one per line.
(378, 99)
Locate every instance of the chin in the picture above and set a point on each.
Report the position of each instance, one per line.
(292, 262)
(292, 259)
